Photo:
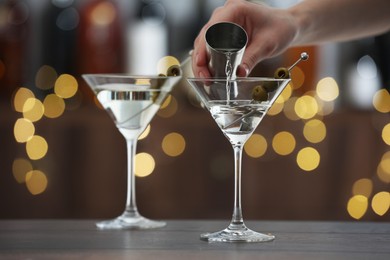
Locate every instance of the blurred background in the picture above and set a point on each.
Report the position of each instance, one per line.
(322, 153)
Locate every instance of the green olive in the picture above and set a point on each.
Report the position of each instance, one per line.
(282, 73)
(259, 93)
(173, 70)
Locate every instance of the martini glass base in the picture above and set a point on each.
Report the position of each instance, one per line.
(236, 235)
(134, 222)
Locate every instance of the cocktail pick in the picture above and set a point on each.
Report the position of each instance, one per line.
(284, 73)
(304, 56)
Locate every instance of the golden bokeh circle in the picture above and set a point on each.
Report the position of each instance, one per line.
(173, 144)
(144, 164)
(36, 147)
(36, 182)
(33, 109)
(145, 133)
(363, 187)
(386, 134)
(20, 98)
(54, 106)
(20, 167)
(283, 143)
(24, 130)
(381, 101)
(66, 86)
(306, 107)
(256, 146)
(380, 203)
(314, 131)
(308, 159)
(327, 89)
(357, 206)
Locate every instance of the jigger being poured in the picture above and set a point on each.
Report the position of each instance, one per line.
(225, 45)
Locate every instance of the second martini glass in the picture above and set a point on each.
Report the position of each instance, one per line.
(237, 106)
(132, 102)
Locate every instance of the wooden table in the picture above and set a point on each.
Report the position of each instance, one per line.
(79, 239)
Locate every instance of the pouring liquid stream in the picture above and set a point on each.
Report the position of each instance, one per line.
(228, 72)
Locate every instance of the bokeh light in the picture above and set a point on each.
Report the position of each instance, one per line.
(357, 206)
(381, 101)
(21, 96)
(68, 19)
(383, 169)
(24, 129)
(286, 93)
(166, 102)
(327, 89)
(145, 133)
(33, 109)
(20, 167)
(382, 174)
(314, 131)
(308, 159)
(66, 86)
(173, 144)
(325, 108)
(289, 111)
(386, 134)
(168, 66)
(170, 109)
(283, 143)
(45, 77)
(54, 106)
(363, 187)
(276, 107)
(380, 203)
(144, 164)
(366, 67)
(17, 14)
(103, 14)
(256, 146)
(36, 182)
(297, 77)
(36, 147)
(306, 107)
(142, 82)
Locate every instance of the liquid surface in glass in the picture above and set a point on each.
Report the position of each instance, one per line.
(237, 119)
(131, 108)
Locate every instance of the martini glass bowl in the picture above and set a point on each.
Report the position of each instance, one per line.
(131, 102)
(237, 106)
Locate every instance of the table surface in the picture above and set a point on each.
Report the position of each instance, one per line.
(79, 239)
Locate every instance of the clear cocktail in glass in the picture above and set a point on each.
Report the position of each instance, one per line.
(237, 106)
(132, 102)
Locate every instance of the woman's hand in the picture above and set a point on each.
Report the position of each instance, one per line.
(270, 31)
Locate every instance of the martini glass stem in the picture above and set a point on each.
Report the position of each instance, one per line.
(237, 219)
(131, 206)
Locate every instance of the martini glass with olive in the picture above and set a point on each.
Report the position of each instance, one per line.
(132, 102)
(238, 106)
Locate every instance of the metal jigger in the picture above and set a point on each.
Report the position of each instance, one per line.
(222, 38)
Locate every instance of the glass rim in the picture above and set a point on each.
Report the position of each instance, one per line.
(247, 79)
(126, 75)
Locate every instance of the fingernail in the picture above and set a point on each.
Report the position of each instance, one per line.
(201, 75)
(246, 68)
(196, 59)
